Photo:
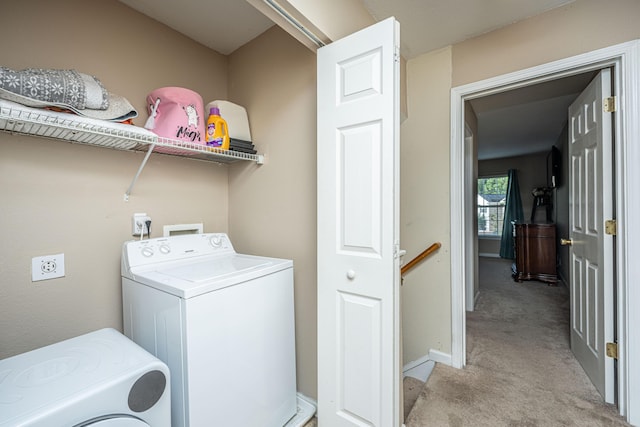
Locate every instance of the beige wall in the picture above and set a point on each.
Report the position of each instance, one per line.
(424, 205)
(61, 197)
(579, 27)
(532, 173)
(326, 21)
(69, 198)
(567, 31)
(335, 18)
(425, 215)
(272, 208)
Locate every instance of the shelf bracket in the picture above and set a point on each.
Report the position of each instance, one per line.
(135, 178)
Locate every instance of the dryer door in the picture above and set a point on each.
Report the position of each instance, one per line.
(120, 421)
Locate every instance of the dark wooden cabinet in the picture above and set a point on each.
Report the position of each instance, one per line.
(535, 252)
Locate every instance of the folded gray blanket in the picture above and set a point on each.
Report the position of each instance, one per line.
(70, 90)
(66, 87)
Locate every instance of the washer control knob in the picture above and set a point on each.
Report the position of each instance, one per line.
(351, 274)
(165, 249)
(216, 241)
(147, 251)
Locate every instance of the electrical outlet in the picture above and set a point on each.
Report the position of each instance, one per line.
(139, 225)
(47, 267)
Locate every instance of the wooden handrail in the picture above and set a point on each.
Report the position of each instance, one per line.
(431, 249)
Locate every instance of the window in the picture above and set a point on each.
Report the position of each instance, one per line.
(492, 195)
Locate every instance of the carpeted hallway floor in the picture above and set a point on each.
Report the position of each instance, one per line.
(520, 370)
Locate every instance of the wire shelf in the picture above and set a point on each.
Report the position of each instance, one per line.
(18, 119)
(199, 151)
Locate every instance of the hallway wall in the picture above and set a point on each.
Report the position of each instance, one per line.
(272, 207)
(570, 30)
(59, 197)
(424, 206)
(532, 173)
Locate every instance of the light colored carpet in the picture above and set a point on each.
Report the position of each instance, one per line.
(520, 370)
(411, 390)
(411, 387)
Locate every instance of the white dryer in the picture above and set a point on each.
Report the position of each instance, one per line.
(100, 379)
(224, 324)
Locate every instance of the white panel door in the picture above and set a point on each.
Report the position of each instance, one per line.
(358, 231)
(591, 252)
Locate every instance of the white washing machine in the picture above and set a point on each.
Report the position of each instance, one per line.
(100, 379)
(224, 324)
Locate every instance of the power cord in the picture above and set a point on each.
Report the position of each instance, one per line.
(148, 224)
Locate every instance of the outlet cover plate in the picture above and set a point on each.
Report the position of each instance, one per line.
(47, 267)
(138, 225)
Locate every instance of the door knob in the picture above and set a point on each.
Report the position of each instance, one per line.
(351, 274)
(566, 242)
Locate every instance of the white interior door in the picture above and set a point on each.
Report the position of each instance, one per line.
(591, 251)
(358, 229)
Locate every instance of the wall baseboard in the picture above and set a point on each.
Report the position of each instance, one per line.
(307, 408)
(307, 398)
(419, 369)
(488, 255)
(440, 357)
(415, 363)
(563, 280)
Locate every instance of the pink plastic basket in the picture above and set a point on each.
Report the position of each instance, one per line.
(176, 113)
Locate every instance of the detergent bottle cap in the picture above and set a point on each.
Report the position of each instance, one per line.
(214, 111)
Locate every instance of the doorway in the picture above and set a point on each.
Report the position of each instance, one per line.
(623, 59)
(517, 129)
(520, 129)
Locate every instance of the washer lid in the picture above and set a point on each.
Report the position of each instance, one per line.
(217, 269)
(189, 279)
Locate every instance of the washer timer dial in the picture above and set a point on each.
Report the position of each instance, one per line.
(216, 241)
(147, 251)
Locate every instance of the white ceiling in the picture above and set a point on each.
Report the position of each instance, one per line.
(526, 120)
(425, 25)
(222, 25)
(513, 123)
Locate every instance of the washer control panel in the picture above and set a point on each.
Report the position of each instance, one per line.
(175, 248)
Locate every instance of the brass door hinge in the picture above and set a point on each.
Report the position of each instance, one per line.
(609, 104)
(610, 227)
(612, 350)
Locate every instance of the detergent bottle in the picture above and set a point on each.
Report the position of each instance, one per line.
(217, 134)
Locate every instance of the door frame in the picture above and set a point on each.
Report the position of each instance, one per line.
(471, 223)
(624, 59)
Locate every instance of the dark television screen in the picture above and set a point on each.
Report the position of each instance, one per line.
(554, 168)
